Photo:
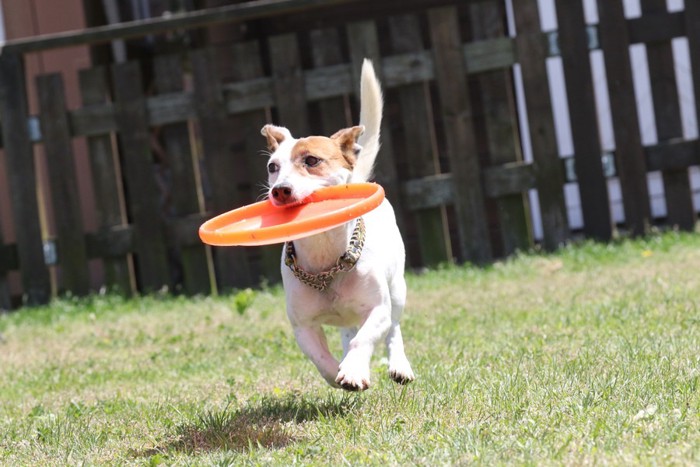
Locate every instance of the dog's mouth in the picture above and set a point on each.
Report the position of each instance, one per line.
(287, 203)
(286, 197)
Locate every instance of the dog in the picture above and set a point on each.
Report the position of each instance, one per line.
(351, 276)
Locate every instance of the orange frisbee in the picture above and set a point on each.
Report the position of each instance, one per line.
(263, 223)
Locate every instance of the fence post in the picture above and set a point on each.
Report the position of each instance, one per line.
(493, 90)
(5, 299)
(629, 153)
(249, 146)
(692, 31)
(141, 186)
(364, 43)
(232, 264)
(288, 83)
(183, 189)
(325, 51)
(679, 202)
(532, 56)
(63, 182)
(420, 145)
(19, 155)
(106, 182)
(592, 184)
(451, 76)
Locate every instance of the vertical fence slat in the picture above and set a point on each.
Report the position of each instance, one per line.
(5, 299)
(63, 183)
(450, 71)
(532, 56)
(420, 147)
(250, 146)
(141, 186)
(290, 94)
(592, 185)
(325, 51)
(495, 90)
(106, 181)
(629, 152)
(692, 31)
(664, 92)
(180, 160)
(19, 156)
(232, 264)
(364, 43)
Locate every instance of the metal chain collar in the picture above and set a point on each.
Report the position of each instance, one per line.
(320, 281)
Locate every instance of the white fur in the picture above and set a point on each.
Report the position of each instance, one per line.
(371, 105)
(365, 303)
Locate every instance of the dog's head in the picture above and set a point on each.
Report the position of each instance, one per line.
(298, 167)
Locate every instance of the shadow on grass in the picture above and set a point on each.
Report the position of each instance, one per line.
(265, 423)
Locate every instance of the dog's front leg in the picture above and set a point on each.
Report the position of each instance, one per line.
(354, 369)
(312, 341)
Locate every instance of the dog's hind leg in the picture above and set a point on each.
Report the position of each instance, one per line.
(399, 366)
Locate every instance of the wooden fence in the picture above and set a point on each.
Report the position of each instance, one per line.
(451, 151)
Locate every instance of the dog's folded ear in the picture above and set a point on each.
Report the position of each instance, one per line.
(347, 140)
(275, 135)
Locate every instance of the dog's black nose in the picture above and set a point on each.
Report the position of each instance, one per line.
(282, 193)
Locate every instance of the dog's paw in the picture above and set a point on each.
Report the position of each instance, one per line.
(352, 380)
(401, 372)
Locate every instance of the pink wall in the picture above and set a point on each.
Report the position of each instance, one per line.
(35, 17)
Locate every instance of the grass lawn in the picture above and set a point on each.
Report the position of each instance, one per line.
(589, 356)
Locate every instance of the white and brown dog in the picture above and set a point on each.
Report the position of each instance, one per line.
(353, 275)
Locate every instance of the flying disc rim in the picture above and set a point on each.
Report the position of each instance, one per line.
(229, 228)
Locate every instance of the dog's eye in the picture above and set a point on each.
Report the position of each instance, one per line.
(272, 167)
(311, 161)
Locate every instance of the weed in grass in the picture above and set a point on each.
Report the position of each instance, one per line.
(243, 300)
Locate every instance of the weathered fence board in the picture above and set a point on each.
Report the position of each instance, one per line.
(232, 264)
(364, 43)
(532, 54)
(63, 184)
(288, 84)
(494, 92)
(105, 175)
(420, 146)
(668, 121)
(474, 242)
(250, 147)
(658, 26)
(5, 296)
(629, 153)
(592, 186)
(180, 161)
(692, 28)
(141, 187)
(326, 52)
(321, 83)
(19, 157)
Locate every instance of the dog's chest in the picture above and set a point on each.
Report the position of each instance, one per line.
(345, 303)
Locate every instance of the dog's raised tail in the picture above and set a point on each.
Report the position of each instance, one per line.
(371, 104)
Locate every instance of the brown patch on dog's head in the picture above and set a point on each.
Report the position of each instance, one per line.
(320, 156)
(275, 135)
(347, 141)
